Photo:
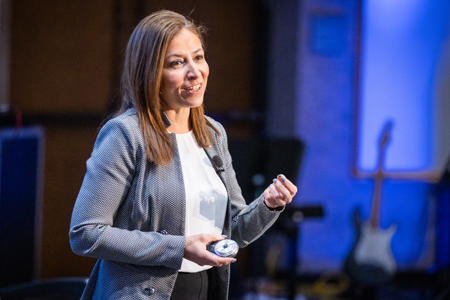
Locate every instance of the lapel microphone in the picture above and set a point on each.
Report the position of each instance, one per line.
(218, 163)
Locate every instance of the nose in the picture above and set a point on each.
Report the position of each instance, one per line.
(193, 71)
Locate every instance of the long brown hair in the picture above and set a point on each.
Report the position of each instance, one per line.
(142, 78)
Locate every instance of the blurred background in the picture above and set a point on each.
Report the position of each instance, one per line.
(348, 98)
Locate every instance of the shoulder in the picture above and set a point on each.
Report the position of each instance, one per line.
(126, 120)
(122, 127)
(216, 125)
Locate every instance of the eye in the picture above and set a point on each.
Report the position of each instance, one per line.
(176, 63)
(200, 57)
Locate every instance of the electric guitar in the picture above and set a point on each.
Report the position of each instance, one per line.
(370, 259)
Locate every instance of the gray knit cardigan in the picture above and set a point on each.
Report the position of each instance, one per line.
(130, 215)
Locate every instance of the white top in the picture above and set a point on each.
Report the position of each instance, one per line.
(206, 196)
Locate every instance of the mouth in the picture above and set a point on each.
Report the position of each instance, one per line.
(193, 88)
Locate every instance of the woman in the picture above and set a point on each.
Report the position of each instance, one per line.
(152, 199)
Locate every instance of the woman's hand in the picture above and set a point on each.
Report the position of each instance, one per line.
(195, 250)
(280, 192)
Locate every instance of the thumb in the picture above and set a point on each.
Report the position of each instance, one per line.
(215, 237)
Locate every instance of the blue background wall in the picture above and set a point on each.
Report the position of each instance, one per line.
(403, 45)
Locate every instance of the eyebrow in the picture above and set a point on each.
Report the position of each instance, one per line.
(178, 55)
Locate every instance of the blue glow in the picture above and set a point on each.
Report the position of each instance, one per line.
(401, 43)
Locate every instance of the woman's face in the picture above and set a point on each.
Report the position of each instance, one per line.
(185, 72)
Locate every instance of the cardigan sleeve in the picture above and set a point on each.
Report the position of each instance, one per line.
(248, 222)
(109, 175)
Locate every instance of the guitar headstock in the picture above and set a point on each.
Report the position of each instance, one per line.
(386, 132)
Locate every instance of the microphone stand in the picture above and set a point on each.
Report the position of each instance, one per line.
(290, 221)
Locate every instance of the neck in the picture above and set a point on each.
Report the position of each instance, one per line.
(179, 120)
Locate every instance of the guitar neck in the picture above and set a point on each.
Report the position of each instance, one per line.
(374, 220)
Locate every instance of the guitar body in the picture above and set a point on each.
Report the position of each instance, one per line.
(374, 248)
(370, 260)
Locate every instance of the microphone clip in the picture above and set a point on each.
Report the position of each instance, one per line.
(218, 164)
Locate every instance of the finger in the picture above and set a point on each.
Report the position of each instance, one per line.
(273, 192)
(218, 261)
(212, 259)
(288, 184)
(281, 189)
(279, 200)
(211, 237)
(283, 195)
(274, 201)
(286, 195)
(225, 260)
(268, 199)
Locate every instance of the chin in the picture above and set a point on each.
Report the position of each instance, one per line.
(196, 103)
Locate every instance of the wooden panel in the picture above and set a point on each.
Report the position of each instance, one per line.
(61, 55)
(5, 8)
(67, 149)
